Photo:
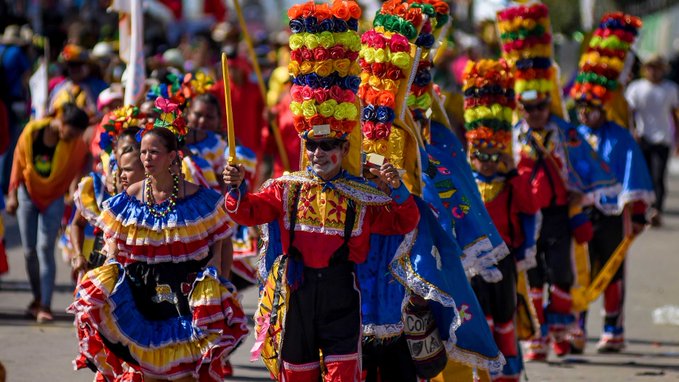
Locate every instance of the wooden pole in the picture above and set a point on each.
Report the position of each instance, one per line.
(229, 111)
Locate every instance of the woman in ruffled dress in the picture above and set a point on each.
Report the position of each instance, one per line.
(158, 309)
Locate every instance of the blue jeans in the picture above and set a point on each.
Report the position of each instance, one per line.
(39, 232)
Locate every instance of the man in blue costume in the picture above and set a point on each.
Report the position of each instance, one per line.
(617, 147)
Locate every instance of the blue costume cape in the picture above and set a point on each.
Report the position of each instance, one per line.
(451, 191)
(616, 146)
(427, 262)
(587, 171)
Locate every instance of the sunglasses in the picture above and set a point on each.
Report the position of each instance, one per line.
(537, 107)
(586, 109)
(324, 145)
(483, 157)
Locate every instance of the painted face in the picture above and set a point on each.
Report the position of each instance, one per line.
(203, 116)
(154, 155)
(589, 115)
(131, 169)
(536, 113)
(325, 156)
(485, 161)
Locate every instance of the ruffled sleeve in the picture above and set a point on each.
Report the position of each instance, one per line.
(185, 233)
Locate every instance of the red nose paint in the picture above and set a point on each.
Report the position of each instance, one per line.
(333, 158)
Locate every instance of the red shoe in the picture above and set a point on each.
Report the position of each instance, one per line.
(506, 379)
(535, 350)
(576, 336)
(227, 369)
(561, 348)
(610, 343)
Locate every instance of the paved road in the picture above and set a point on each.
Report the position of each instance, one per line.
(34, 352)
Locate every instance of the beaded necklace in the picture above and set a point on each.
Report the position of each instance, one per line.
(158, 210)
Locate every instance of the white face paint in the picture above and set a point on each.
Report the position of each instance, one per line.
(326, 163)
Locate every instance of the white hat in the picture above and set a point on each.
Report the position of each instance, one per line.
(108, 95)
(16, 35)
(174, 57)
(102, 49)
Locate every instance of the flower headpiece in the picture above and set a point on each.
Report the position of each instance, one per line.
(604, 60)
(489, 103)
(195, 84)
(171, 88)
(525, 32)
(170, 116)
(74, 53)
(324, 49)
(116, 121)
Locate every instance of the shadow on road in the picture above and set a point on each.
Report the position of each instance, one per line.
(23, 286)
(568, 363)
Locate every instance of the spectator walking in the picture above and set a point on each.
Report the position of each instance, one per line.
(655, 103)
(49, 156)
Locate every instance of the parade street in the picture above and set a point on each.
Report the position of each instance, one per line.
(32, 352)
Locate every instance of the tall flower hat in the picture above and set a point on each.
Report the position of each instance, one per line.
(604, 60)
(489, 103)
(526, 37)
(324, 48)
(386, 73)
(435, 20)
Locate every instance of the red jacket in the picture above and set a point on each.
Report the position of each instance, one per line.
(321, 212)
(541, 189)
(505, 213)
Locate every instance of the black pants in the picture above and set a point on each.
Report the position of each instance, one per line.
(555, 266)
(498, 300)
(388, 362)
(657, 156)
(608, 234)
(324, 314)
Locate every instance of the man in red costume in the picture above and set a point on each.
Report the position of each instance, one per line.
(326, 217)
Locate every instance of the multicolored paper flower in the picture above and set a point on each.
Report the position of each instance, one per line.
(116, 121)
(324, 48)
(195, 84)
(170, 116)
(386, 65)
(602, 63)
(488, 88)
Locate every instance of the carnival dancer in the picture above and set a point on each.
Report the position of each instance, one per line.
(623, 215)
(326, 213)
(482, 245)
(158, 308)
(49, 157)
(507, 197)
(442, 308)
(543, 148)
(120, 132)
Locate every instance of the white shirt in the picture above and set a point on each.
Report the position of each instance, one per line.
(653, 105)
